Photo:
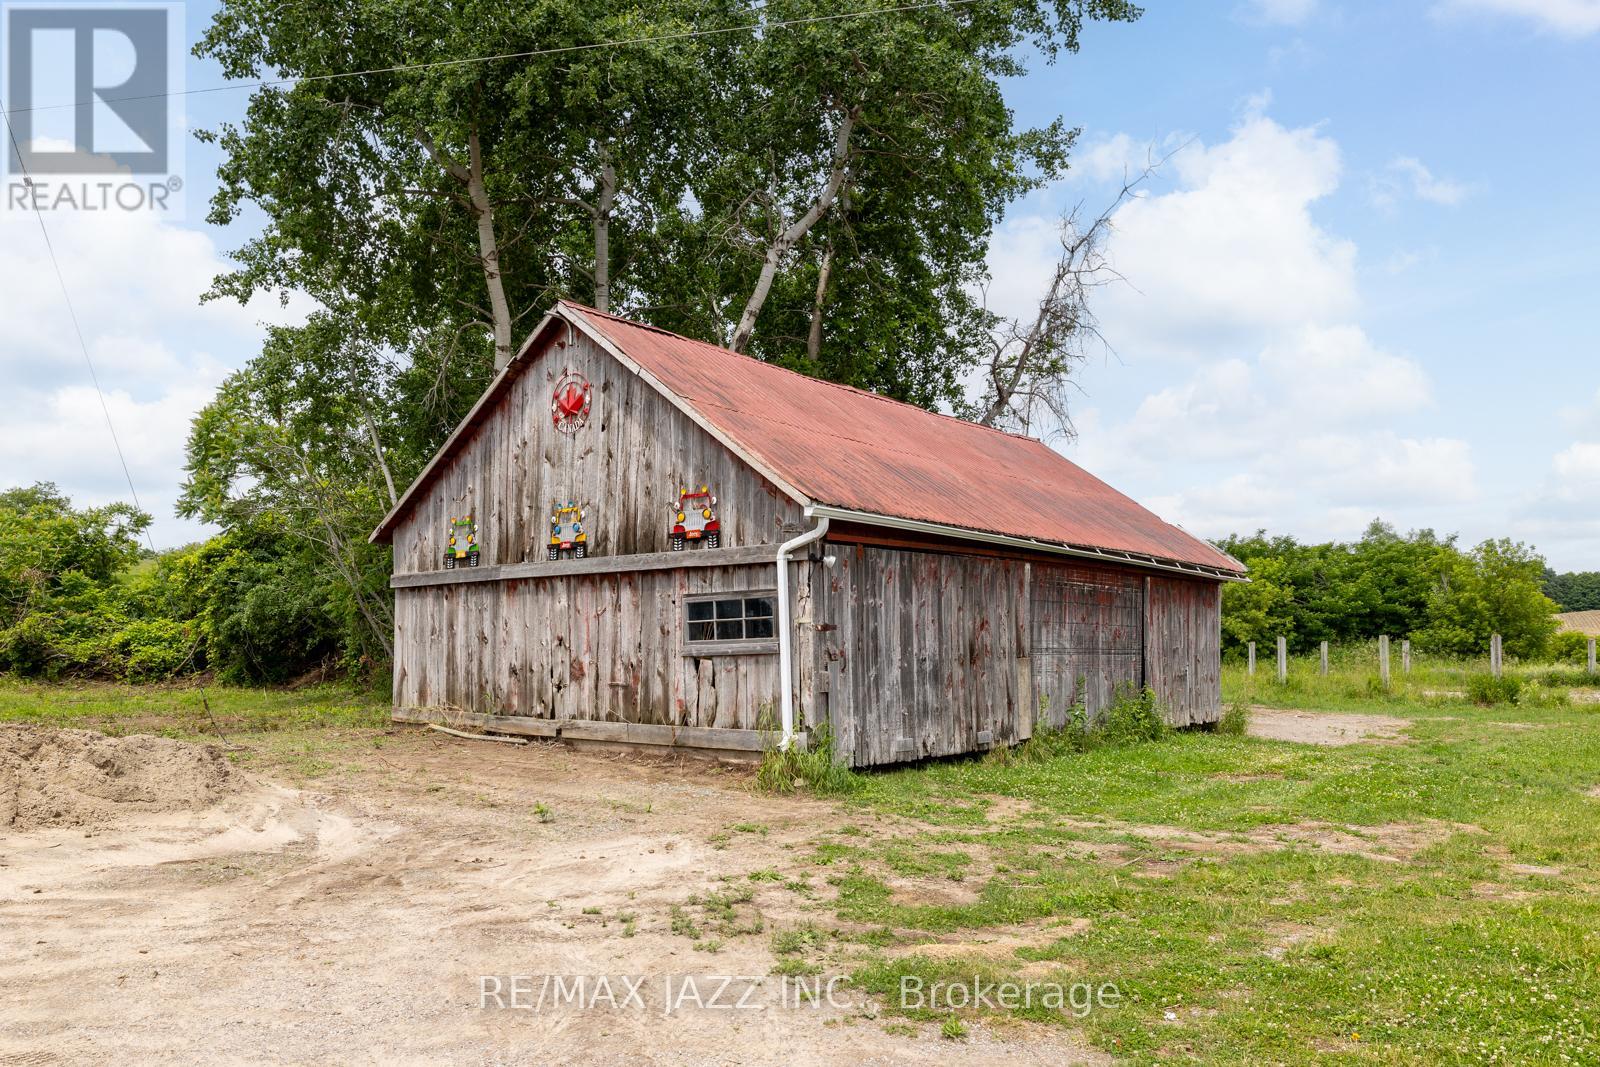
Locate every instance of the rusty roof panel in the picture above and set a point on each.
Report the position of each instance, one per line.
(857, 450)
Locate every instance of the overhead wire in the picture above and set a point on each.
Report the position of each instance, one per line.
(77, 326)
(399, 68)
(534, 53)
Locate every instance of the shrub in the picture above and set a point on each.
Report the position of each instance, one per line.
(155, 649)
(1133, 718)
(1235, 719)
(1570, 647)
(1564, 677)
(1486, 689)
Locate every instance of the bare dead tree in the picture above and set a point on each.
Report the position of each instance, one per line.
(1030, 363)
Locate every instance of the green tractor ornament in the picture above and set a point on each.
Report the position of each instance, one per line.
(694, 518)
(566, 531)
(463, 543)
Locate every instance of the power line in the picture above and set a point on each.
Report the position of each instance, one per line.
(77, 328)
(532, 54)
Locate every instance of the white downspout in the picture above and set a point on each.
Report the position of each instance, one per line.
(785, 639)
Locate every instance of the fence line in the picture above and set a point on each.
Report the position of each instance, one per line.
(1497, 659)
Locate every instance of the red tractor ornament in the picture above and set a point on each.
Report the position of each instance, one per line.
(463, 543)
(695, 519)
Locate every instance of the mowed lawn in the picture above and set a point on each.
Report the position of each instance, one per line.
(1426, 900)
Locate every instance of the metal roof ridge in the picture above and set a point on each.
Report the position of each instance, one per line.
(867, 393)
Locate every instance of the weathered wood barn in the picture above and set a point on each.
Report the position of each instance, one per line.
(635, 537)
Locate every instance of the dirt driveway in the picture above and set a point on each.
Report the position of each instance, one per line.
(353, 925)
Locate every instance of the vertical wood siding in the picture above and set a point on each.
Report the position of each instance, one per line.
(624, 466)
(600, 647)
(1183, 648)
(917, 654)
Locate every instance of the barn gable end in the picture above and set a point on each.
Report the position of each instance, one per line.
(624, 467)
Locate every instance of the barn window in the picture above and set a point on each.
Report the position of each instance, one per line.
(730, 622)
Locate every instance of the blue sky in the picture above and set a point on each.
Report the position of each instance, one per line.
(1365, 286)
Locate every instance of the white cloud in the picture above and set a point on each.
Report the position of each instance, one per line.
(1278, 12)
(1579, 464)
(1572, 18)
(135, 282)
(1269, 404)
(1407, 176)
(1560, 515)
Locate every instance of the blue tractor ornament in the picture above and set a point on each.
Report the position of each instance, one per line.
(566, 531)
(463, 544)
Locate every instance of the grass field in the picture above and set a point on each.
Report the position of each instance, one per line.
(1427, 900)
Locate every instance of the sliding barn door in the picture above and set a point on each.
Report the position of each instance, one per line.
(1088, 637)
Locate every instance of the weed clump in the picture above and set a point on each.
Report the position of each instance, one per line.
(1134, 717)
(815, 767)
(1235, 719)
(1486, 689)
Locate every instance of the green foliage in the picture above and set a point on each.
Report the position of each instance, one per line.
(1569, 647)
(816, 767)
(1235, 719)
(1576, 591)
(81, 600)
(1494, 589)
(1486, 689)
(63, 606)
(1418, 585)
(1133, 718)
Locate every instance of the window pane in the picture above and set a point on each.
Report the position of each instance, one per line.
(754, 628)
(699, 609)
(729, 609)
(700, 631)
(731, 630)
(758, 606)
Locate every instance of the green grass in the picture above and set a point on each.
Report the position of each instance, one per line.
(179, 710)
(1261, 949)
(1353, 681)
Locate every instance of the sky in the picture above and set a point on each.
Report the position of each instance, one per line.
(1364, 284)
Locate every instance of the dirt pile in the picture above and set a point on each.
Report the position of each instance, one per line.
(53, 777)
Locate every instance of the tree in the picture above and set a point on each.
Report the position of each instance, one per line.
(1260, 610)
(298, 436)
(1493, 590)
(460, 194)
(1577, 591)
(859, 167)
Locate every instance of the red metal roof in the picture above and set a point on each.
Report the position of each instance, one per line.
(852, 449)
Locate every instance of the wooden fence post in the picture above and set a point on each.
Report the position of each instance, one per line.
(1283, 660)
(1383, 660)
(1591, 656)
(1495, 663)
(1405, 657)
(1252, 658)
(1324, 657)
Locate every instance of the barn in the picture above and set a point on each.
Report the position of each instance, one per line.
(638, 538)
